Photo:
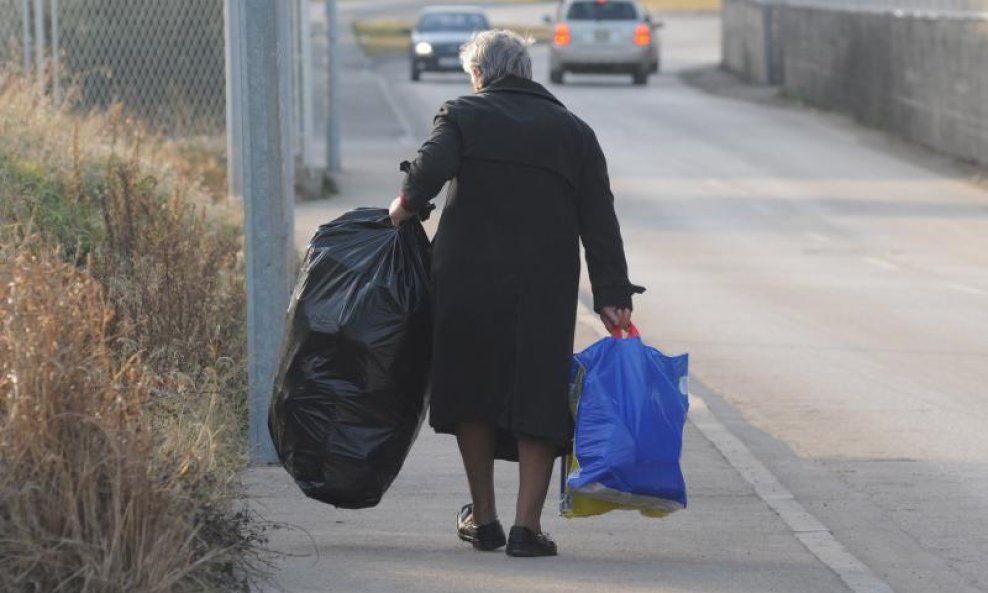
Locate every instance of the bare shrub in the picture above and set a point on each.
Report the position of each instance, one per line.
(88, 502)
(122, 362)
(174, 276)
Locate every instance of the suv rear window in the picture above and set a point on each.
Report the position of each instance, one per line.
(607, 11)
(452, 21)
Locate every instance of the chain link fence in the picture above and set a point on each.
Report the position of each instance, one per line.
(12, 32)
(163, 60)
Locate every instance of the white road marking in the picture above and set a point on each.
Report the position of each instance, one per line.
(819, 237)
(813, 534)
(407, 137)
(881, 263)
(967, 289)
(716, 184)
(807, 528)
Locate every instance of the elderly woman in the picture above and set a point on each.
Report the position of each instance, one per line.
(528, 181)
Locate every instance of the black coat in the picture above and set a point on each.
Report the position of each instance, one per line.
(528, 182)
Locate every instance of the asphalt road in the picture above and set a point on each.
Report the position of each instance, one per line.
(830, 284)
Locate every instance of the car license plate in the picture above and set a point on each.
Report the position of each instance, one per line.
(602, 36)
(449, 62)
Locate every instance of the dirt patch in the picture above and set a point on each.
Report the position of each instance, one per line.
(716, 81)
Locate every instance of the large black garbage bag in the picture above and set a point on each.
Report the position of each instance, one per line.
(351, 389)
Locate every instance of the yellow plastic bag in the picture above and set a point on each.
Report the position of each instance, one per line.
(574, 504)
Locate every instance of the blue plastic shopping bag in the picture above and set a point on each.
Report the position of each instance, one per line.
(630, 402)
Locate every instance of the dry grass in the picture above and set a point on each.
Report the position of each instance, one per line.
(88, 500)
(122, 362)
(173, 276)
(203, 159)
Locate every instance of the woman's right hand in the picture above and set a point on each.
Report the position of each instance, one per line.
(397, 211)
(615, 318)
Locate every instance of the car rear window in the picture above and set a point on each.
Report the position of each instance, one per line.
(601, 11)
(452, 21)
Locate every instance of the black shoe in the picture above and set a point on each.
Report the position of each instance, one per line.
(525, 543)
(483, 537)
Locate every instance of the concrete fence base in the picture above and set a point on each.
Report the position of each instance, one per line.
(924, 77)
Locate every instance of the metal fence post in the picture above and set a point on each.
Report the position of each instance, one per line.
(333, 108)
(305, 85)
(26, 35)
(232, 15)
(295, 32)
(773, 74)
(39, 41)
(56, 92)
(259, 109)
(286, 248)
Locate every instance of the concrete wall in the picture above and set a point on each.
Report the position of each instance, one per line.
(744, 39)
(923, 77)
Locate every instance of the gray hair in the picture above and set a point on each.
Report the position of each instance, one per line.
(496, 54)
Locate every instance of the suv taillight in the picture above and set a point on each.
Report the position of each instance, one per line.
(562, 34)
(643, 35)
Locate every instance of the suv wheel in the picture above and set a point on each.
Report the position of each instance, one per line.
(556, 76)
(415, 73)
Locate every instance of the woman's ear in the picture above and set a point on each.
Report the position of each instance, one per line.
(475, 78)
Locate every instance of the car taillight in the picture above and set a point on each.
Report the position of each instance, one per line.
(562, 34)
(643, 35)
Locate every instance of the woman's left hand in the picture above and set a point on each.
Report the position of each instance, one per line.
(615, 318)
(398, 213)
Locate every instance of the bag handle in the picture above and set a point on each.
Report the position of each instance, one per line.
(632, 332)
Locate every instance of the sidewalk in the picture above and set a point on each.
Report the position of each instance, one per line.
(727, 540)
